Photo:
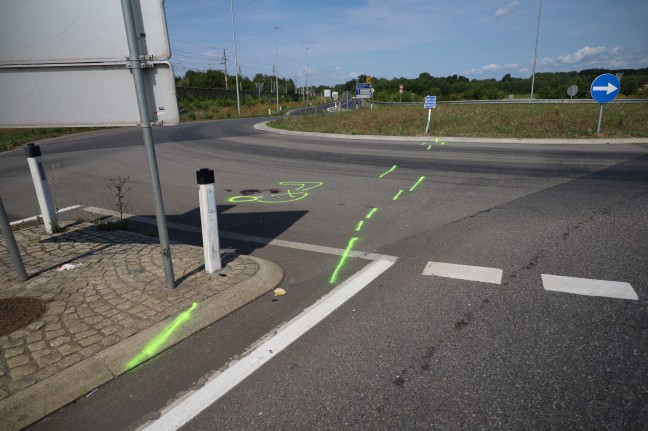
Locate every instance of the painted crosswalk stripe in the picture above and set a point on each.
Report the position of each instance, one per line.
(464, 272)
(586, 286)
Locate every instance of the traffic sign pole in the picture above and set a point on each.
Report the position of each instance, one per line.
(428, 122)
(429, 104)
(605, 88)
(147, 134)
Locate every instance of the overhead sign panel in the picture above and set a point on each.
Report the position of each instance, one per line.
(69, 31)
(605, 88)
(84, 95)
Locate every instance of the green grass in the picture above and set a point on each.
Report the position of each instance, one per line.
(197, 109)
(498, 121)
(12, 138)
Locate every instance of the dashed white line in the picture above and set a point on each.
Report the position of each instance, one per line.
(464, 272)
(586, 286)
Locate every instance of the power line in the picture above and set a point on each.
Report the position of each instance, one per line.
(195, 44)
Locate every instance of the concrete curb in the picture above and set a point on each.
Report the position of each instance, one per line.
(39, 400)
(263, 126)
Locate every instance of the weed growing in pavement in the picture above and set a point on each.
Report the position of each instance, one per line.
(119, 189)
(56, 227)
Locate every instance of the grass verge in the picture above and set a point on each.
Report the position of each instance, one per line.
(12, 138)
(560, 120)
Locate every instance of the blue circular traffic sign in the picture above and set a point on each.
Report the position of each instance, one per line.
(605, 88)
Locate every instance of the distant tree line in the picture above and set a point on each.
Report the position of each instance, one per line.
(548, 85)
(216, 79)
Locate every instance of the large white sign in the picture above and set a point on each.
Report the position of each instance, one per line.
(69, 31)
(77, 96)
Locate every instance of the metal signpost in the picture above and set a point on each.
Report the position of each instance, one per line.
(65, 64)
(572, 90)
(605, 88)
(14, 253)
(430, 104)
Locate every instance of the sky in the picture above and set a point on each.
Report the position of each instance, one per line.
(328, 42)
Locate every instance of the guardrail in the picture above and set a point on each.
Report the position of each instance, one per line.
(514, 101)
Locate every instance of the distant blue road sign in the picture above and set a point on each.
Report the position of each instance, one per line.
(430, 102)
(363, 91)
(605, 88)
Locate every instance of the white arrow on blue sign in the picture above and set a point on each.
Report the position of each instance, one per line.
(605, 88)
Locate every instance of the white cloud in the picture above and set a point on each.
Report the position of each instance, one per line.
(491, 68)
(495, 69)
(616, 50)
(583, 55)
(643, 61)
(499, 13)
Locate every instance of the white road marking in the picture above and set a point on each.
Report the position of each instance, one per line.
(252, 238)
(73, 207)
(189, 407)
(464, 272)
(586, 286)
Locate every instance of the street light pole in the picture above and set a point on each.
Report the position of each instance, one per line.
(276, 66)
(307, 98)
(535, 55)
(236, 68)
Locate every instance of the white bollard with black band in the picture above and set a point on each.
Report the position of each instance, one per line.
(209, 219)
(45, 201)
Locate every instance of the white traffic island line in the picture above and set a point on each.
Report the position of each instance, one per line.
(464, 272)
(586, 286)
(194, 402)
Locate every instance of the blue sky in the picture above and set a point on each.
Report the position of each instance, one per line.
(402, 38)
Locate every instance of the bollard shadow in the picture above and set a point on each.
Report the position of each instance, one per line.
(86, 240)
(264, 224)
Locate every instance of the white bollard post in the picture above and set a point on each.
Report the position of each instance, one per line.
(209, 219)
(45, 201)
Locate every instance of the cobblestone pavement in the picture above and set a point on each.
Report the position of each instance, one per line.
(99, 289)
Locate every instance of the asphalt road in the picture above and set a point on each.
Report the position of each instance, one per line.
(409, 350)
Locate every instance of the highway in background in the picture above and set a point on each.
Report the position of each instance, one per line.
(467, 329)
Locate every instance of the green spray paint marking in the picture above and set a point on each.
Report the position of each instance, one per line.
(397, 195)
(371, 213)
(416, 184)
(442, 143)
(343, 259)
(359, 226)
(424, 143)
(155, 345)
(436, 140)
(387, 172)
(298, 193)
(429, 147)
